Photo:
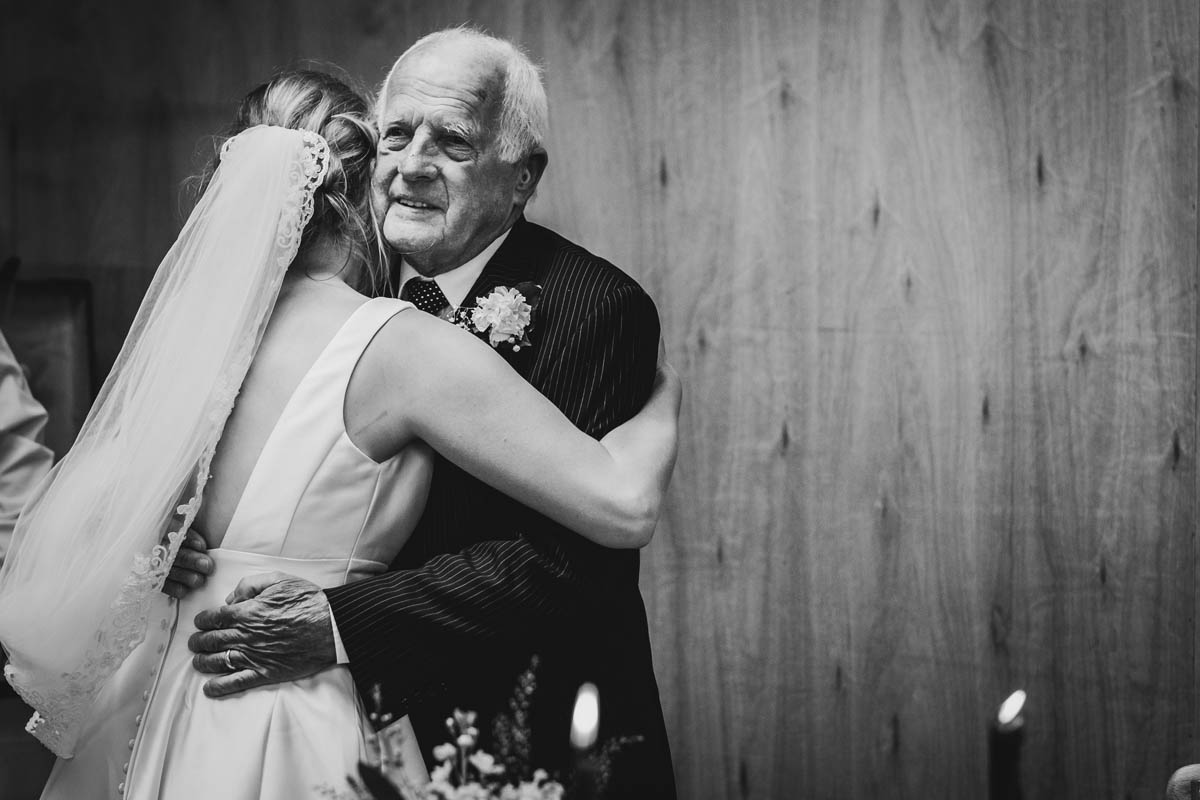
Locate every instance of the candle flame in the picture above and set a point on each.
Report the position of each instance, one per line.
(1010, 709)
(585, 722)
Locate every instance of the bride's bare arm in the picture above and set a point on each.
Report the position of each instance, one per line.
(440, 384)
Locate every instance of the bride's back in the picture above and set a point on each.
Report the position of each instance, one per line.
(309, 312)
(307, 316)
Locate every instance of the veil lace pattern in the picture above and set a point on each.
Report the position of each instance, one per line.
(79, 506)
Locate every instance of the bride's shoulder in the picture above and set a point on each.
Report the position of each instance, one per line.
(411, 342)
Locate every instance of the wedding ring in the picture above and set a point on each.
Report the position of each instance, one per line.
(228, 660)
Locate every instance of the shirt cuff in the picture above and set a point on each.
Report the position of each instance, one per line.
(340, 649)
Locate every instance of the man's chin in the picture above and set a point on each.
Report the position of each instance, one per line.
(405, 238)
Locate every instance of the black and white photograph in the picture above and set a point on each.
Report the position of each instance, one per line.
(599, 400)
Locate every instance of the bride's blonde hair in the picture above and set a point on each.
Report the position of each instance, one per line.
(319, 102)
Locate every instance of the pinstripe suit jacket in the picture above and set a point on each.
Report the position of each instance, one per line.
(485, 582)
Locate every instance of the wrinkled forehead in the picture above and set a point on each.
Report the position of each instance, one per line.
(444, 81)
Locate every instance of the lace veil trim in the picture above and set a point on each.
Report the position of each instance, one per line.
(62, 700)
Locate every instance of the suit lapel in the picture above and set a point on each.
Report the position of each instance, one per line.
(509, 266)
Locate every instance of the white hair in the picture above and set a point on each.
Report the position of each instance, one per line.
(524, 115)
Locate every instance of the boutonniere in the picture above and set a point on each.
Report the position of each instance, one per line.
(504, 317)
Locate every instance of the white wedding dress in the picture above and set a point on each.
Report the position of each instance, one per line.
(316, 507)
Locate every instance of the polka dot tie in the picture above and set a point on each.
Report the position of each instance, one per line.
(425, 294)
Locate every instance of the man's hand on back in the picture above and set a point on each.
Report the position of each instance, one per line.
(275, 628)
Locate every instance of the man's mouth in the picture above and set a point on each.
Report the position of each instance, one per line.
(409, 202)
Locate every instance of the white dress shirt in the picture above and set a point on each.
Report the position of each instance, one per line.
(454, 284)
(457, 282)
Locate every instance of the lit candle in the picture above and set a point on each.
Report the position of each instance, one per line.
(585, 726)
(585, 722)
(1005, 735)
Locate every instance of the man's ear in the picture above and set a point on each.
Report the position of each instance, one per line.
(530, 172)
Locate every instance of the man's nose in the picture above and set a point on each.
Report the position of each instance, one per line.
(418, 161)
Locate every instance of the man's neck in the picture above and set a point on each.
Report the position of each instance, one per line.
(456, 283)
(432, 267)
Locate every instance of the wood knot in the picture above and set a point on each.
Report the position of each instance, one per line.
(999, 626)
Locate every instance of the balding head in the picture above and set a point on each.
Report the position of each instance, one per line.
(522, 114)
(461, 119)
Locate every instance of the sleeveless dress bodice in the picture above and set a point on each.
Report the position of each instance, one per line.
(316, 507)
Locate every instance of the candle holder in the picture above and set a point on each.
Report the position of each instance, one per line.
(585, 727)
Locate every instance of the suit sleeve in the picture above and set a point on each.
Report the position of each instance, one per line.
(408, 625)
(24, 460)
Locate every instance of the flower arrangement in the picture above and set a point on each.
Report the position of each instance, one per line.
(465, 772)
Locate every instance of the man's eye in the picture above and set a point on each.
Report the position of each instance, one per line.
(457, 146)
(396, 135)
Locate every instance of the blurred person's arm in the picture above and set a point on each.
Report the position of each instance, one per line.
(24, 460)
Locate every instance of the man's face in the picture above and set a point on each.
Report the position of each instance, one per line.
(440, 191)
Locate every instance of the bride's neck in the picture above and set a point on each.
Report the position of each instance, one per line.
(326, 260)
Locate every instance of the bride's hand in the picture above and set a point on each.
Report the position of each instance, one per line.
(191, 567)
(275, 628)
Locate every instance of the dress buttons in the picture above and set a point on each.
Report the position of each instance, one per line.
(146, 695)
(121, 786)
(138, 719)
(131, 743)
(125, 767)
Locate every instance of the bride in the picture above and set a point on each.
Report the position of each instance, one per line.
(319, 469)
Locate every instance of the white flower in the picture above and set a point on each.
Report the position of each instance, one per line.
(526, 791)
(503, 315)
(485, 763)
(471, 791)
(465, 740)
(441, 773)
(445, 752)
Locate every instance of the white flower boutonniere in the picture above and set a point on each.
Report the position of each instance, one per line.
(503, 316)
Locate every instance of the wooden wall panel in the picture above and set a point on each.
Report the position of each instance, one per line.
(1104, 382)
(929, 270)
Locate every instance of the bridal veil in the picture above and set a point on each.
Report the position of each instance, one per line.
(89, 552)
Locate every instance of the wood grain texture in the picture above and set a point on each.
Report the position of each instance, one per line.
(929, 270)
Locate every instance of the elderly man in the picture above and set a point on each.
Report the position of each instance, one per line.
(485, 583)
